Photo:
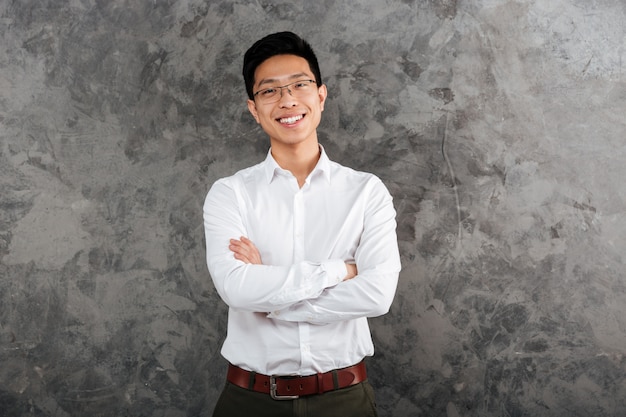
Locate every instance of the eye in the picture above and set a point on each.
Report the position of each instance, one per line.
(300, 85)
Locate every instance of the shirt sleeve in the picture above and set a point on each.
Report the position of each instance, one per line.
(257, 288)
(377, 258)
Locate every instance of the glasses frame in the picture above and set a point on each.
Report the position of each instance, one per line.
(280, 87)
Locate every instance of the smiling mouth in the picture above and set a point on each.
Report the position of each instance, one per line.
(291, 120)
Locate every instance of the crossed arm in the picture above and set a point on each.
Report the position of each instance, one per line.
(322, 291)
(245, 251)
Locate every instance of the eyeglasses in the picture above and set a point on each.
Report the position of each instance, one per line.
(297, 89)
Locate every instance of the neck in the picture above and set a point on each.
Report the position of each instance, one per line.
(299, 159)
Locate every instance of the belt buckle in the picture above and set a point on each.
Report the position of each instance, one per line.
(276, 396)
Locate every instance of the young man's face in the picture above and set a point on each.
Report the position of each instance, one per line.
(290, 118)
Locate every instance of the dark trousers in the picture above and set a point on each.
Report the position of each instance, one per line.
(354, 401)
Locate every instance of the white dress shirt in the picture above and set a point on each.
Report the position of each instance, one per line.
(294, 315)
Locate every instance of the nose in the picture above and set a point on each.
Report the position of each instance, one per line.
(286, 100)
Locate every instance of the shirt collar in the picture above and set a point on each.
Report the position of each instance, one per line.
(272, 167)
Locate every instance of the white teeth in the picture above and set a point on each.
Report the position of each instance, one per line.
(290, 120)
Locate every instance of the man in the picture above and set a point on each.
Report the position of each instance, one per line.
(303, 251)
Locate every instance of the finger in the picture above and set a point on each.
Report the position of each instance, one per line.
(253, 253)
(239, 251)
(242, 258)
(245, 250)
(248, 243)
(244, 242)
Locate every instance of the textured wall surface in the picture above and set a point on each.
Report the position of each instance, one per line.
(499, 127)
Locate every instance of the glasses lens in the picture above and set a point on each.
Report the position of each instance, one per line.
(296, 89)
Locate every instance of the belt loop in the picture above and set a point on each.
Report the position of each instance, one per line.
(335, 379)
(320, 383)
(251, 380)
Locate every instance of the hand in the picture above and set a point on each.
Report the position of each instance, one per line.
(352, 271)
(245, 251)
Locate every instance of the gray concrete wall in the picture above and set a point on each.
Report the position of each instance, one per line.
(499, 127)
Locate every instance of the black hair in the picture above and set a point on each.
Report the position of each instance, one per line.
(281, 43)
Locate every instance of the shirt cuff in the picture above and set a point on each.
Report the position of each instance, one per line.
(336, 271)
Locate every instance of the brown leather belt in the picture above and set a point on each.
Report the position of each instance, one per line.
(292, 387)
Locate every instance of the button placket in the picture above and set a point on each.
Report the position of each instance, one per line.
(298, 226)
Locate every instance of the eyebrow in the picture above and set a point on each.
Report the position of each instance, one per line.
(291, 77)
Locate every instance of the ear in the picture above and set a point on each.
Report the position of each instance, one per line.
(322, 93)
(252, 109)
